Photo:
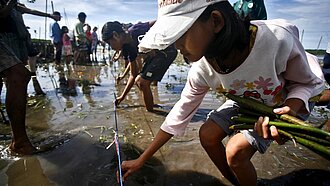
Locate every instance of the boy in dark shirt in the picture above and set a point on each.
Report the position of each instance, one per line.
(155, 65)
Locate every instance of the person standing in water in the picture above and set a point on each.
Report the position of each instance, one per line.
(155, 65)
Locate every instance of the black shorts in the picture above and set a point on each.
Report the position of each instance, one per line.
(156, 66)
(7, 57)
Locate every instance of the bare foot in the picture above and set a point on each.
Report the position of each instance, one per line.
(24, 148)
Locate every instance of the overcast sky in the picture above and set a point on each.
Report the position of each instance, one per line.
(311, 16)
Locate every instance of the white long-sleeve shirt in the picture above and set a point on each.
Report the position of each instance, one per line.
(275, 70)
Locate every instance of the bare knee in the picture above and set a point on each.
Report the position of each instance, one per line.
(238, 153)
(142, 83)
(234, 156)
(210, 134)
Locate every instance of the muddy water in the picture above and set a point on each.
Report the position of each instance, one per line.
(75, 122)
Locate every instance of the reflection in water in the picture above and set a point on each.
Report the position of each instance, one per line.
(27, 171)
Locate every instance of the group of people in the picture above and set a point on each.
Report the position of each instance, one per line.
(230, 50)
(82, 44)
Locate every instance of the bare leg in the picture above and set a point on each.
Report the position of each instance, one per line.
(154, 83)
(32, 64)
(211, 135)
(17, 78)
(327, 124)
(33, 69)
(239, 152)
(144, 86)
(67, 60)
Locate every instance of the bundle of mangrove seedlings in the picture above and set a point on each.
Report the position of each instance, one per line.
(288, 126)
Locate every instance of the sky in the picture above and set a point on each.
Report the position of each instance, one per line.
(312, 17)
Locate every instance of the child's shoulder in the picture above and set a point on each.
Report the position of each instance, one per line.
(277, 25)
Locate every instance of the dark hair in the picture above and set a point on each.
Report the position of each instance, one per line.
(63, 31)
(64, 28)
(82, 15)
(57, 13)
(234, 34)
(109, 28)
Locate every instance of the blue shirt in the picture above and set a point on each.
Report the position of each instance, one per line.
(56, 33)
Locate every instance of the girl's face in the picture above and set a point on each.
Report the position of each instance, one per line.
(115, 41)
(194, 43)
(82, 19)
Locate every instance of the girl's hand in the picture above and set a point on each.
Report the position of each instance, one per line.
(118, 100)
(129, 167)
(271, 132)
(118, 79)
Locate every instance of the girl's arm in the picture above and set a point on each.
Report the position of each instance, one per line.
(302, 82)
(116, 55)
(176, 121)
(121, 76)
(131, 166)
(130, 82)
(23, 9)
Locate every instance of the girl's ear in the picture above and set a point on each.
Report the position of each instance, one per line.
(115, 35)
(218, 21)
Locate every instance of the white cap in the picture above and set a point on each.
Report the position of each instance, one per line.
(175, 17)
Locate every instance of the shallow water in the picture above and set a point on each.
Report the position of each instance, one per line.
(78, 124)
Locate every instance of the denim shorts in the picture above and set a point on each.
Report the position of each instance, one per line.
(155, 67)
(222, 117)
(7, 57)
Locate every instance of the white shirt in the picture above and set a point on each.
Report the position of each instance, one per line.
(275, 70)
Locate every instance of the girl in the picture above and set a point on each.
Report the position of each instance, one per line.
(260, 59)
(155, 64)
(89, 38)
(67, 47)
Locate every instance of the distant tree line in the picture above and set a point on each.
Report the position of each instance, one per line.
(316, 52)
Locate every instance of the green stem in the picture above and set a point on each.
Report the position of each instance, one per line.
(290, 136)
(288, 126)
(253, 105)
(315, 147)
(311, 138)
(319, 149)
(294, 120)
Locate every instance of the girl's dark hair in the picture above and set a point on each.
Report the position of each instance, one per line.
(64, 30)
(109, 28)
(234, 34)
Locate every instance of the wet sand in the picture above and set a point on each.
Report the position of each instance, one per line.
(77, 126)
